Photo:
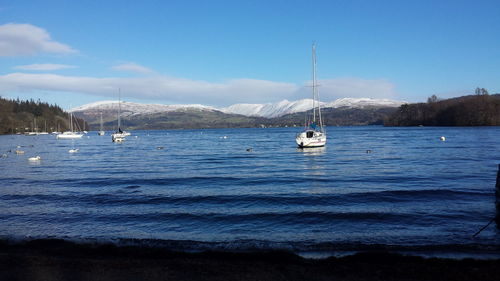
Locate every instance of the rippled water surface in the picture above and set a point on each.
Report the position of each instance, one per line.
(369, 185)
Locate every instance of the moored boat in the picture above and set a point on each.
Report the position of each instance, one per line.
(313, 135)
(119, 136)
(69, 134)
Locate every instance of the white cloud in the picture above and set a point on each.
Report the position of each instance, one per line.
(159, 87)
(133, 67)
(331, 89)
(179, 90)
(27, 39)
(44, 67)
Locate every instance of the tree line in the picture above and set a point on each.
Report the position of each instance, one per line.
(481, 109)
(20, 116)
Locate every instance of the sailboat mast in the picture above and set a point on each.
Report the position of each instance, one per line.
(317, 92)
(101, 121)
(314, 80)
(71, 122)
(119, 108)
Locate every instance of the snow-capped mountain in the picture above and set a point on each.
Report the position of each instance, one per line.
(363, 102)
(281, 108)
(132, 108)
(268, 110)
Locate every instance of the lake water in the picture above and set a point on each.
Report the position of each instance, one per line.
(370, 187)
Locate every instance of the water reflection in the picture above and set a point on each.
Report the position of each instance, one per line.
(497, 215)
(314, 165)
(497, 199)
(312, 151)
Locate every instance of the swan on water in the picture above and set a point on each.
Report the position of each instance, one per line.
(36, 158)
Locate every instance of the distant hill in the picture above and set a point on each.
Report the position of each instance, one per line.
(472, 110)
(272, 110)
(18, 116)
(343, 116)
(142, 116)
(267, 110)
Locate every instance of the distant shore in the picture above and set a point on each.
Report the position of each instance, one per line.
(54, 259)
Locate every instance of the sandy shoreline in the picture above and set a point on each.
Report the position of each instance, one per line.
(47, 259)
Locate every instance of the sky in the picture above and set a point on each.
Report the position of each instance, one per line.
(218, 53)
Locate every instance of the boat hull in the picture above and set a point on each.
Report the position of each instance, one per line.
(311, 138)
(69, 136)
(118, 137)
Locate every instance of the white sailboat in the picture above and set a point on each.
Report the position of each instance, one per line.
(34, 131)
(45, 132)
(101, 131)
(70, 134)
(58, 131)
(119, 136)
(313, 135)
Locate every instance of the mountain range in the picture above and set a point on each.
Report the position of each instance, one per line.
(347, 111)
(267, 110)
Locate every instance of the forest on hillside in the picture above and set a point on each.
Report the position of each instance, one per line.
(481, 109)
(20, 116)
(195, 119)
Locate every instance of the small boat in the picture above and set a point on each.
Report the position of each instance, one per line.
(69, 134)
(119, 136)
(313, 135)
(101, 131)
(45, 131)
(58, 131)
(34, 131)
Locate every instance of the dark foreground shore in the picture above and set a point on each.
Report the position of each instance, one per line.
(62, 260)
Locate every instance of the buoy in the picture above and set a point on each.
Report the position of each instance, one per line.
(36, 158)
(73, 150)
(19, 151)
(443, 138)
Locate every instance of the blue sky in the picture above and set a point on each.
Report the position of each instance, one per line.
(224, 52)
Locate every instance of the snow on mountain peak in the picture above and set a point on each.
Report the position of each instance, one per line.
(362, 102)
(283, 107)
(138, 108)
(268, 110)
